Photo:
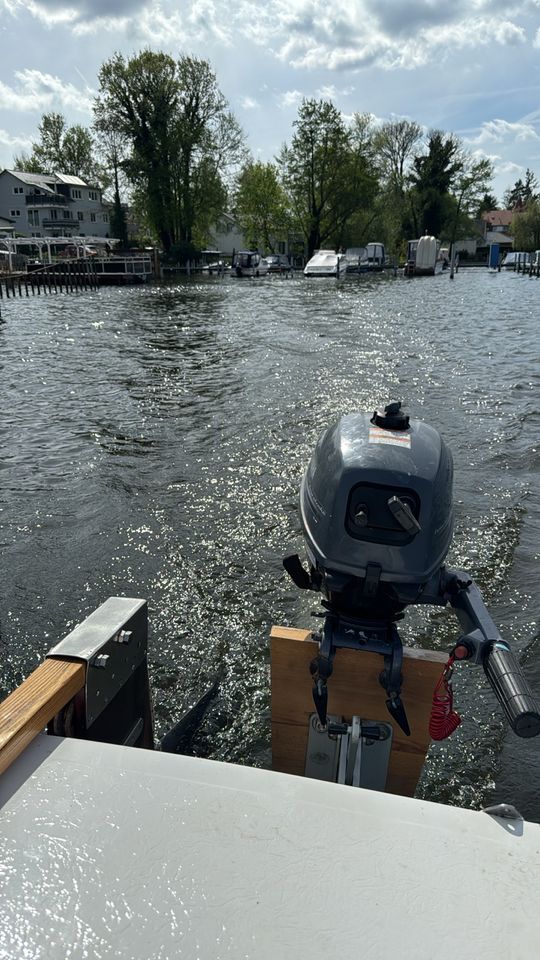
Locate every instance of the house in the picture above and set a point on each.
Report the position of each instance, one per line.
(226, 236)
(52, 205)
(497, 228)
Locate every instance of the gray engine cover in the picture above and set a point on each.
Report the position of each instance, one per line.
(355, 469)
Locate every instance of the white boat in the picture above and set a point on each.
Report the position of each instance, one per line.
(108, 850)
(326, 263)
(516, 260)
(248, 263)
(354, 256)
(424, 257)
(374, 260)
(212, 262)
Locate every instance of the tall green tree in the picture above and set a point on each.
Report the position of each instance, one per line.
(181, 138)
(395, 143)
(324, 172)
(432, 175)
(62, 149)
(522, 192)
(137, 98)
(525, 227)
(488, 202)
(470, 183)
(261, 205)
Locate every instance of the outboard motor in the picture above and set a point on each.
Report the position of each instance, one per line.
(377, 516)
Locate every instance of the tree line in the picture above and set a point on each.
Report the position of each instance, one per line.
(164, 140)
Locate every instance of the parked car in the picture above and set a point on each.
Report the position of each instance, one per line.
(278, 263)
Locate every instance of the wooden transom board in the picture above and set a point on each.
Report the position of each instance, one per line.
(353, 688)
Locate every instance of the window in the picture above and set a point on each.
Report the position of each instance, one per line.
(105, 218)
(92, 195)
(76, 194)
(80, 215)
(18, 189)
(53, 214)
(67, 214)
(33, 218)
(14, 213)
(93, 217)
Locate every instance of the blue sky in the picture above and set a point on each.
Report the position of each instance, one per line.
(471, 67)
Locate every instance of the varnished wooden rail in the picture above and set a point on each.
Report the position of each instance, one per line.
(27, 711)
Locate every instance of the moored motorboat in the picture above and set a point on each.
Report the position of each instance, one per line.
(516, 260)
(424, 258)
(248, 263)
(354, 256)
(326, 263)
(374, 260)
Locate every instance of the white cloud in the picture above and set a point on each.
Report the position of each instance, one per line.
(330, 92)
(248, 103)
(307, 34)
(507, 167)
(38, 91)
(499, 131)
(291, 98)
(15, 142)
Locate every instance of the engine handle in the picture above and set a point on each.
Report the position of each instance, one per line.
(512, 689)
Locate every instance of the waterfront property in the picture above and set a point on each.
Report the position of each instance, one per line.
(56, 204)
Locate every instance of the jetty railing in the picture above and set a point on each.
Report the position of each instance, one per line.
(68, 276)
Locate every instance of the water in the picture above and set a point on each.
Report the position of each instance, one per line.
(153, 441)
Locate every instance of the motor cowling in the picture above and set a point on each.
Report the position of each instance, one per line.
(376, 507)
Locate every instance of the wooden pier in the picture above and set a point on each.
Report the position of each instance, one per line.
(72, 276)
(69, 276)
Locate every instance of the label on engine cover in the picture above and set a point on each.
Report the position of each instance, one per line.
(396, 437)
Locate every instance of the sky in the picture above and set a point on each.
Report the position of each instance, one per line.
(470, 67)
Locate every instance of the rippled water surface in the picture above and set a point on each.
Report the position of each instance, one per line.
(153, 441)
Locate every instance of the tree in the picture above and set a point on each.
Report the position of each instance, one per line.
(181, 138)
(112, 151)
(471, 180)
(525, 227)
(261, 205)
(394, 144)
(62, 149)
(488, 202)
(324, 172)
(522, 192)
(431, 178)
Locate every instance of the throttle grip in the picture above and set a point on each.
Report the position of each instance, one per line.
(512, 690)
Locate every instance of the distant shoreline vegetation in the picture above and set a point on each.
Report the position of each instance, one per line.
(165, 144)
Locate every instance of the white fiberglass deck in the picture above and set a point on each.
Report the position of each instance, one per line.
(112, 852)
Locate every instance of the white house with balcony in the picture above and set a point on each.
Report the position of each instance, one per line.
(52, 205)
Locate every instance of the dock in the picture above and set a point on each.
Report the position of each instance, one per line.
(71, 276)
